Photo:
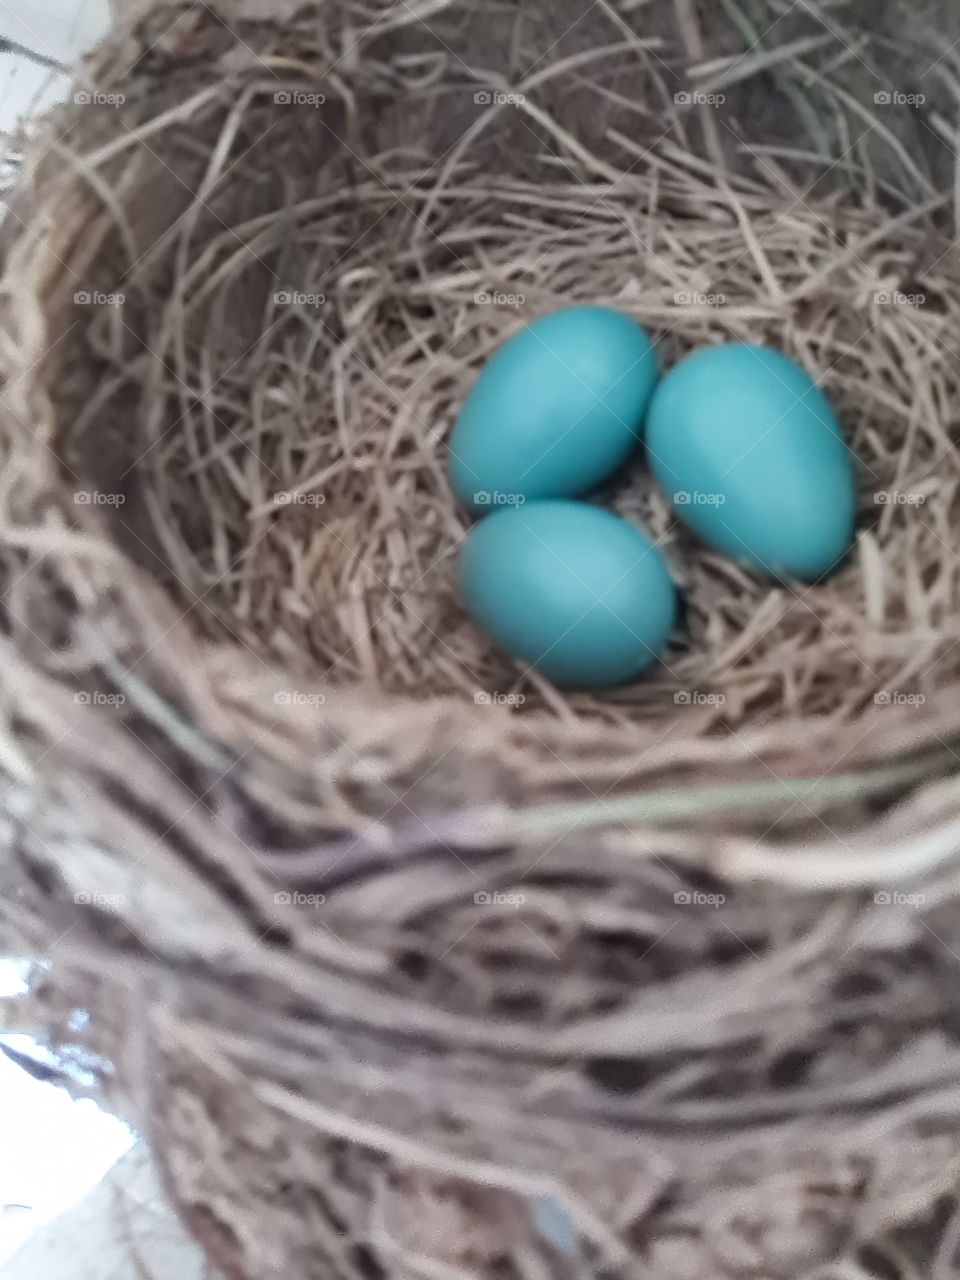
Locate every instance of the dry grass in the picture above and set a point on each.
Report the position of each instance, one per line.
(214, 691)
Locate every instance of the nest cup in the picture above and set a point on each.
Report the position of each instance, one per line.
(404, 961)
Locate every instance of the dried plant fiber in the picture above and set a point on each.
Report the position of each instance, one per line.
(406, 964)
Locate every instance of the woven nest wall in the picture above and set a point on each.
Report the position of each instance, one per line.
(406, 963)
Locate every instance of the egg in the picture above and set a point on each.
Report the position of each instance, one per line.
(570, 589)
(752, 457)
(556, 409)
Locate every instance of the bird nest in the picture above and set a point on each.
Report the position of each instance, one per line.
(406, 962)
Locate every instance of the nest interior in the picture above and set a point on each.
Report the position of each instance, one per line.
(253, 270)
(300, 323)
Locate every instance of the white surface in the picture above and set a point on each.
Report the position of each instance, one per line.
(58, 29)
(123, 1230)
(61, 29)
(53, 1150)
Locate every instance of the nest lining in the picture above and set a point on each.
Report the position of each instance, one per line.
(285, 471)
(759, 1090)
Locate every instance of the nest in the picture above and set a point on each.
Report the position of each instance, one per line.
(405, 962)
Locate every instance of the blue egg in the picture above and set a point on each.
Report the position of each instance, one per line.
(555, 411)
(570, 589)
(751, 454)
